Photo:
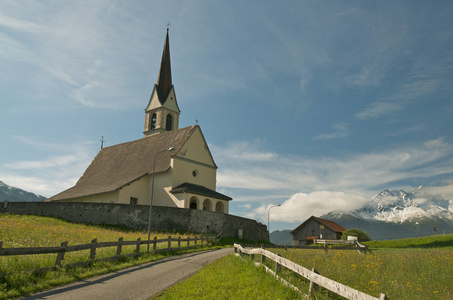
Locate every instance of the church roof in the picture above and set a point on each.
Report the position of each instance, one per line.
(164, 82)
(119, 165)
(187, 187)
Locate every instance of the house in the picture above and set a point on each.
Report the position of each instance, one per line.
(316, 228)
(184, 177)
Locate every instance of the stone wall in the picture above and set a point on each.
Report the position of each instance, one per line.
(136, 216)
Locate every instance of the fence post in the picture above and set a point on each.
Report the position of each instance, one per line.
(188, 241)
(325, 247)
(120, 244)
(263, 258)
(169, 242)
(313, 286)
(155, 243)
(60, 255)
(93, 249)
(277, 266)
(179, 242)
(137, 249)
(196, 238)
(382, 296)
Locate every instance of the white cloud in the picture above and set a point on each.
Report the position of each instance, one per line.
(18, 24)
(53, 173)
(243, 151)
(437, 143)
(379, 109)
(358, 171)
(301, 206)
(341, 131)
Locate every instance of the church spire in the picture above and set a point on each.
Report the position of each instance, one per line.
(162, 112)
(164, 80)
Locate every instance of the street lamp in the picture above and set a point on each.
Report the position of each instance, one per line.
(268, 229)
(172, 149)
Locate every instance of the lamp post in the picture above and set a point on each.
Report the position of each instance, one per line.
(152, 191)
(268, 228)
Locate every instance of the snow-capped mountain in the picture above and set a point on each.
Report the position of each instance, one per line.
(13, 194)
(398, 206)
(395, 213)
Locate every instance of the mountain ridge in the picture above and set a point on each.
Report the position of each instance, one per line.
(14, 194)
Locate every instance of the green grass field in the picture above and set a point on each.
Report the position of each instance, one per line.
(230, 278)
(32, 231)
(395, 268)
(402, 269)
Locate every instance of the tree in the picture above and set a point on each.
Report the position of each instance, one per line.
(361, 235)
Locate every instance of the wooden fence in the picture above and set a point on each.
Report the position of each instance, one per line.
(360, 247)
(183, 244)
(314, 278)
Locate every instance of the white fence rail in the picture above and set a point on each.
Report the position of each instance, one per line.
(313, 277)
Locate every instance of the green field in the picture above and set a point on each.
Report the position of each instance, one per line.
(396, 268)
(402, 269)
(32, 231)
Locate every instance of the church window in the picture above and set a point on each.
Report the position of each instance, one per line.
(169, 122)
(195, 173)
(153, 121)
(193, 203)
(219, 207)
(133, 201)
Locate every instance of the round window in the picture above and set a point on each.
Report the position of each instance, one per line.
(194, 173)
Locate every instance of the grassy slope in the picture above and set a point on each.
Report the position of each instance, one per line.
(33, 231)
(435, 241)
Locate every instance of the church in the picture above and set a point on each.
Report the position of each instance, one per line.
(176, 163)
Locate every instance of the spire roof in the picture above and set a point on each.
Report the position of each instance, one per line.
(164, 83)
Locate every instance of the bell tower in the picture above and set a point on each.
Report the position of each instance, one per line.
(162, 112)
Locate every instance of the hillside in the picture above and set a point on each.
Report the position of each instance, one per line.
(282, 237)
(13, 194)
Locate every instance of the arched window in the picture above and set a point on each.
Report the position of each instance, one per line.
(193, 203)
(207, 205)
(153, 121)
(169, 123)
(219, 207)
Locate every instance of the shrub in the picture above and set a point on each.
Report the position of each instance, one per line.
(361, 235)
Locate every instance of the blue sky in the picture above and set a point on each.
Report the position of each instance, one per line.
(315, 105)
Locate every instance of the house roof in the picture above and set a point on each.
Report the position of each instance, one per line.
(187, 187)
(330, 224)
(116, 166)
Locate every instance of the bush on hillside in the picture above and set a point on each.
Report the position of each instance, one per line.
(361, 235)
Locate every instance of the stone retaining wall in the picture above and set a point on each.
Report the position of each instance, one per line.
(136, 216)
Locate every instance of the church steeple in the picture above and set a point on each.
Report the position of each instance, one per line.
(164, 80)
(162, 112)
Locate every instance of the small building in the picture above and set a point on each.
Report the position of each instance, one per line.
(316, 228)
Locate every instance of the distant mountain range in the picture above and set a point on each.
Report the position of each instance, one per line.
(13, 194)
(393, 214)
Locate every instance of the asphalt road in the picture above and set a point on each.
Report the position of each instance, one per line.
(139, 282)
